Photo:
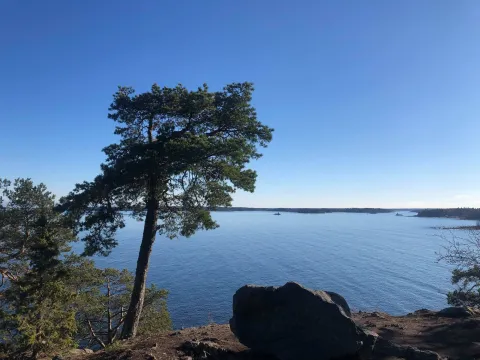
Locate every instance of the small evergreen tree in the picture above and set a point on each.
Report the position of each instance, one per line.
(38, 303)
(102, 300)
(22, 206)
(49, 299)
(36, 315)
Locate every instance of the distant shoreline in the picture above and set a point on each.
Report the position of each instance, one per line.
(309, 210)
(448, 213)
(452, 213)
(472, 227)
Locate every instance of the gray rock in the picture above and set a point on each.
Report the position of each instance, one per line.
(295, 323)
(456, 312)
(204, 349)
(340, 301)
(385, 348)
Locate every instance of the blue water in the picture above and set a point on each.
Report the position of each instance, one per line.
(377, 262)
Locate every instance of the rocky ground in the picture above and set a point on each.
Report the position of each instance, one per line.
(455, 338)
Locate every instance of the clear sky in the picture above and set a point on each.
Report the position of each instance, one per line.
(374, 103)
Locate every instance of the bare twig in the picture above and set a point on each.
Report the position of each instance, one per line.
(94, 335)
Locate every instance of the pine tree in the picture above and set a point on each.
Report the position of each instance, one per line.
(102, 301)
(180, 154)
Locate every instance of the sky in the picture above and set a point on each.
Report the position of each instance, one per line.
(374, 103)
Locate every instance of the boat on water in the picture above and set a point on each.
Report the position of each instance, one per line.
(398, 214)
(277, 213)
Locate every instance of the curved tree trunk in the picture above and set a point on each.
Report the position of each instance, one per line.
(132, 318)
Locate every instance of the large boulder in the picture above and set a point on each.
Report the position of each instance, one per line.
(295, 323)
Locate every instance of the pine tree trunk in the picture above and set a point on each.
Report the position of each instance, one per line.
(132, 318)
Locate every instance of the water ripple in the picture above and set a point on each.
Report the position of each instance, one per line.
(378, 262)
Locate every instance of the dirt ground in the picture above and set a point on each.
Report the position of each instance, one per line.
(452, 338)
(424, 329)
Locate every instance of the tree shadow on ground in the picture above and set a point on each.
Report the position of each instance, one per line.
(457, 340)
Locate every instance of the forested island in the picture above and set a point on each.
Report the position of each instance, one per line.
(458, 213)
(309, 210)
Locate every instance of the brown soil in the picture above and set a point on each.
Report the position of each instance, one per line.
(166, 346)
(453, 338)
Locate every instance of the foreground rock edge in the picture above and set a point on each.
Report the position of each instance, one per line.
(167, 346)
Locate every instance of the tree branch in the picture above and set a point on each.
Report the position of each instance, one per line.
(94, 336)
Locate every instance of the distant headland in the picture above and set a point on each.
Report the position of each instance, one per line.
(458, 213)
(309, 210)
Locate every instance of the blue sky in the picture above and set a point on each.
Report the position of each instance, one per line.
(374, 103)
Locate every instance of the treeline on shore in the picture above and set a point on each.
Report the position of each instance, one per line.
(309, 210)
(458, 213)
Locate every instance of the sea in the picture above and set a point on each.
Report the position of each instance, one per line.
(378, 262)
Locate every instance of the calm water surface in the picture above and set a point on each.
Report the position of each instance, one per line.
(377, 262)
